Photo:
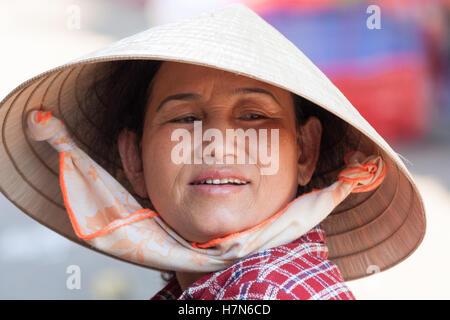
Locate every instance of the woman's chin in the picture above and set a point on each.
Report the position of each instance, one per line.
(215, 226)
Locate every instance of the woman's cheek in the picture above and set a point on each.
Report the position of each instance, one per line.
(284, 181)
(156, 164)
(282, 153)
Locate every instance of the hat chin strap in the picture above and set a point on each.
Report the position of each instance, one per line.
(104, 214)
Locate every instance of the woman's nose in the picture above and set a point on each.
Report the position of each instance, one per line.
(224, 140)
(218, 122)
(215, 146)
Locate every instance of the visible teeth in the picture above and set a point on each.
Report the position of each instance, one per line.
(222, 181)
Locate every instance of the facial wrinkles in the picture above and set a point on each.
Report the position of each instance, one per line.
(215, 84)
(217, 110)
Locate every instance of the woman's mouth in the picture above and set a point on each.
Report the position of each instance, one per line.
(226, 181)
(219, 183)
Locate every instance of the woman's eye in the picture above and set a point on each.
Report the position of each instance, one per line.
(254, 116)
(186, 119)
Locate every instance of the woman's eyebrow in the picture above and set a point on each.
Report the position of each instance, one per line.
(254, 90)
(179, 96)
(196, 96)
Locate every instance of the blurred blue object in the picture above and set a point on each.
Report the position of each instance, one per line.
(341, 35)
(383, 72)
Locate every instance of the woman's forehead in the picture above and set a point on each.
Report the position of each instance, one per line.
(175, 76)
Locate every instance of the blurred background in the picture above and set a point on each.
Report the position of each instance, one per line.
(389, 58)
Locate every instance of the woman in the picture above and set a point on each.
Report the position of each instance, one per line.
(147, 174)
(203, 212)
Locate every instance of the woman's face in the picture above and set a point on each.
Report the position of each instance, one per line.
(203, 211)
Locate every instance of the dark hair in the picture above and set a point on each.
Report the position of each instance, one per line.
(119, 101)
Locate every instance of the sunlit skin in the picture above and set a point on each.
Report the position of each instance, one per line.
(204, 213)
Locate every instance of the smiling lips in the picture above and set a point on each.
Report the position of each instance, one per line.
(223, 181)
(233, 181)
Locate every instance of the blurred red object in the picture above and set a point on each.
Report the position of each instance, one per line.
(397, 104)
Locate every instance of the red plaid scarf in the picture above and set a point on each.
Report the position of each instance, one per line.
(295, 271)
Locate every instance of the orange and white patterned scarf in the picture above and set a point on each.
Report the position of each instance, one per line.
(104, 214)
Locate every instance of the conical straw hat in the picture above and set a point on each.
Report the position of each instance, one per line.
(367, 232)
